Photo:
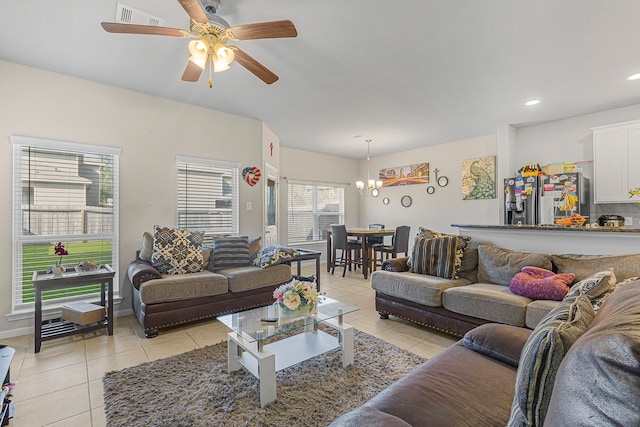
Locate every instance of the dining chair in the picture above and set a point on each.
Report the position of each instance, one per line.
(347, 247)
(399, 244)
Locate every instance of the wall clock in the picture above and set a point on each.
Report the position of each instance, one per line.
(406, 201)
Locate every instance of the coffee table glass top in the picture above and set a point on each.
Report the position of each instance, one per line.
(250, 326)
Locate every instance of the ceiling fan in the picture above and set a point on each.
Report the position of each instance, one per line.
(210, 35)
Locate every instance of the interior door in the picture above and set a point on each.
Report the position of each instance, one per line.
(271, 205)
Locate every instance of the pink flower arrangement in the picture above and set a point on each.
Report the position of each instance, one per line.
(295, 294)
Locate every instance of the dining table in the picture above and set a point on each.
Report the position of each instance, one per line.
(361, 234)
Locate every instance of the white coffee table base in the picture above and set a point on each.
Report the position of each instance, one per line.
(286, 352)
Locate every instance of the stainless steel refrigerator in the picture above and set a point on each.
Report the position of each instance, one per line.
(521, 200)
(563, 195)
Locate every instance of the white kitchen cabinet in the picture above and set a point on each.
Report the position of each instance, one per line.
(616, 161)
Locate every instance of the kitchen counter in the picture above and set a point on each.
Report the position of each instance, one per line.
(556, 239)
(552, 228)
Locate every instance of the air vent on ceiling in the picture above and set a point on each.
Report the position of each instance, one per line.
(129, 15)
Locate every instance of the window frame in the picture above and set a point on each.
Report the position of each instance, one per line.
(315, 213)
(19, 239)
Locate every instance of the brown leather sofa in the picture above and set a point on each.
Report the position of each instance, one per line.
(473, 382)
(162, 301)
(481, 294)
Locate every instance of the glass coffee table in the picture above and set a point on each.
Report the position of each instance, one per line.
(246, 344)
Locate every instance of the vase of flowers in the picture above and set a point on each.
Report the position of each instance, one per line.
(296, 299)
(60, 251)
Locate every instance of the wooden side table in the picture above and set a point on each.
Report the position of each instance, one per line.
(43, 281)
(307, 254)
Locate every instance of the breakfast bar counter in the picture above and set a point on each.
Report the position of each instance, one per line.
(556, 239)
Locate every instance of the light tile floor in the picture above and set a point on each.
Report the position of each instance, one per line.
(62, 385)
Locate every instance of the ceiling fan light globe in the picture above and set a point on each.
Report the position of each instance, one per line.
(198, 48)
(200, 62)
(219, 66)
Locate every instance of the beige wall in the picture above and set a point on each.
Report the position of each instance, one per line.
(150, 131)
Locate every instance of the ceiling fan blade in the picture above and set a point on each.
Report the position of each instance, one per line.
(265, 30)
(114, 27)
(195, 11)
(191, 73)
(254, 66)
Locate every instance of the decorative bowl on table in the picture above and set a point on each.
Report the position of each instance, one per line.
(87, 267)
(575, 220)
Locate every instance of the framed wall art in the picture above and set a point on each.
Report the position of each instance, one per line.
(405, 175)
(479, 178)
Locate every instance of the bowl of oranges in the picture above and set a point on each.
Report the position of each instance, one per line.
(575, 220)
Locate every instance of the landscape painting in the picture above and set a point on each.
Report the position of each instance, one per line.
(479, 178)
(405, 175)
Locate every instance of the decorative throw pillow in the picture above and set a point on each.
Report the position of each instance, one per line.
(206, 256)
(274, 254)
(497, 265)
(230, 252)
(541, 357)
(598, 301)
(462, 243)
(584, 266)
(147, 247)
(539, 283)
(176, 251)
(595, 285)
(435, 257)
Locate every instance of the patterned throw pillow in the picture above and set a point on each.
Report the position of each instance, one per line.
(435, 257)
(272, 255)
(595, 285)
(541, 357)
(176, 251)
(598, 301)
(230, 252)
(462, 243)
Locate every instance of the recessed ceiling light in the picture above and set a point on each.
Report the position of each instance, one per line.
(532, 102)
(635, 76)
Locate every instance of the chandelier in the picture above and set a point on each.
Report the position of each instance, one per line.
(372, 186)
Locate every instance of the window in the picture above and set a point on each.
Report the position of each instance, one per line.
(207, 195)
(62, 192)
(312, 209)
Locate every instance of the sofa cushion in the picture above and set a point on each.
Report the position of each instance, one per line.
(583, 266)
(272, 255)
(176, 251)
(487, 301)
(435, 257)
(501, 342)
(229, 252)
(595, 285)
(255, 245)
(419, 288)
(610, 348)
(147, 246)
(251, 277)
(445, 391)
(498, 265)
(541, 357)
(537, 310)
(177, 287)
(469, 265)
(538, 283)
(461, 244)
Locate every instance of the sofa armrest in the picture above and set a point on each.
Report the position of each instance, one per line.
(396, 264)
(140, 271)
(498, 341)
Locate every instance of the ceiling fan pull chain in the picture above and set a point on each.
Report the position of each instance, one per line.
(210, 68)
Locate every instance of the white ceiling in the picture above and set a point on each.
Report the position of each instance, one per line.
(404, 73)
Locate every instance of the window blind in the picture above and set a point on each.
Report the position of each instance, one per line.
(62, 192)
(312, 208)
(207, 195)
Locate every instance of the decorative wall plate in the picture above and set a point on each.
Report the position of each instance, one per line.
(375, 192)
(385, 200)
(406, 201)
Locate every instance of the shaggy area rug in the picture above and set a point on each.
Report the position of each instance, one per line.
(194, 388)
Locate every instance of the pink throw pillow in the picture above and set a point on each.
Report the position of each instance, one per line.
(538, 283)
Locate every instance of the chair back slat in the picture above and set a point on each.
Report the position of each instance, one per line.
(401, 239)
(339, 236)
